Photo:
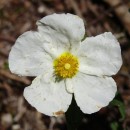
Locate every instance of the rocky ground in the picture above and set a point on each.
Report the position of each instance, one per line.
(18, 16)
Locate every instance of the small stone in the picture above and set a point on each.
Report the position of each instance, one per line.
(16, 127)
(41, 9)
(6, 120)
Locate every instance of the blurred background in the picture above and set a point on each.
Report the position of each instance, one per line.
(18, 16)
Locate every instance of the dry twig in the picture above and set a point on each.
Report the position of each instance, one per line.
(122, 12)
(8, 39)
(7, 74)
(76, 9)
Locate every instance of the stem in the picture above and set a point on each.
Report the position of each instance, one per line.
(73, 116)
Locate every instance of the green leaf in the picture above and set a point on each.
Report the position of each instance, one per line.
(6, 66)
(120, 106)
(74, 116)
(114, 126)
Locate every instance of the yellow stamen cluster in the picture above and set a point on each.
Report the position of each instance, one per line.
(66, 65)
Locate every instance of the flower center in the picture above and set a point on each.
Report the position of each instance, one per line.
(66, 65)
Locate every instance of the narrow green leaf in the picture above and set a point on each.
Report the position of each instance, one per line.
(114, 126)
(120, 106)
(6, 66)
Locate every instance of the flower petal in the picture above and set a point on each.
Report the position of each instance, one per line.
(69, 86)
(28, 57)
(49, 98)
(100, 55)
(65, 30)
(92, 93)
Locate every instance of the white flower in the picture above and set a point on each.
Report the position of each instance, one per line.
(65, 65)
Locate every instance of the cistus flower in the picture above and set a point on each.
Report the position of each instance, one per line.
(66, 65)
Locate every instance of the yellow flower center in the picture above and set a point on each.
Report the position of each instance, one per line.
(66, 65)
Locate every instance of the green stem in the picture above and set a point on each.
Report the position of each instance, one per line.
(73, 116)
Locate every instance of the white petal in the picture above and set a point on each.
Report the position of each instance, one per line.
(28, 56)
(100, 55)
(49, 98)
(65, 30)
(69, 86)
(92, 93)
